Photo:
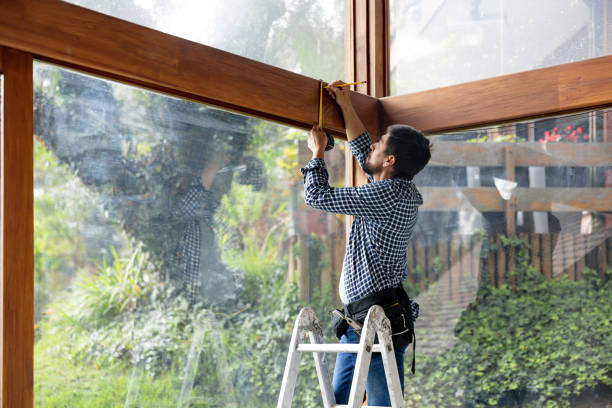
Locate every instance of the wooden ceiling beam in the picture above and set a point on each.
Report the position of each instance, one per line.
(76, 37)
(548, 91)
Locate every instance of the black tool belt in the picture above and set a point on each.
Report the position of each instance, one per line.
(397, 307)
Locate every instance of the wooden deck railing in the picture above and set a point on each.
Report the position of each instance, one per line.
(510, 156)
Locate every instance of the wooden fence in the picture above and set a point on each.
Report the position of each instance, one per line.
(461, 258)
(509, 156)
(457, 258)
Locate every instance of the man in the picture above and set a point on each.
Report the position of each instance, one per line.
(385, 212)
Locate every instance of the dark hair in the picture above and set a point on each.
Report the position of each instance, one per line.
(411, 150)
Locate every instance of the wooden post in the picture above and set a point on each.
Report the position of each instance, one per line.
(511, 265)
(510, 205)
(579, 254)
(535, 251)
(602, 259)
(491, 261)
(525, 238)
(547, 256)
(17, 293)
(501, 263)
(569, 257)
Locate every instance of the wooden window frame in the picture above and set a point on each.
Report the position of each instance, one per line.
(123, 51)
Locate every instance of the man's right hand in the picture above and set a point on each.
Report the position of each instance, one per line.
(342, 95)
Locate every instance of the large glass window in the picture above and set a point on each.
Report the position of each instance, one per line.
(436, 43)
(173, 249)
(303, 36)
(511, 262)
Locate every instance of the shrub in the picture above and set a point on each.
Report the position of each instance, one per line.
(538, 344)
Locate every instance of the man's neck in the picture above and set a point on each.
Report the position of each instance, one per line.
(383, 175)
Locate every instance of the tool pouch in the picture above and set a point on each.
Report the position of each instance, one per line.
(339, 324)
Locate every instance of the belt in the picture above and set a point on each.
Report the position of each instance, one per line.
(383, 298)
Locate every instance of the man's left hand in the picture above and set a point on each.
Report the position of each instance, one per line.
(317, 141)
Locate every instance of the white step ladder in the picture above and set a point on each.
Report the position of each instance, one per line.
(375, 323)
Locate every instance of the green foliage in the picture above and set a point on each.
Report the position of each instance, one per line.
(63, 210)
(538, 344)
(114, 290)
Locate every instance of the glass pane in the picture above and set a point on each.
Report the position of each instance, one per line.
(303, 36)
(515, 319)
(173, 249)
(436, 43)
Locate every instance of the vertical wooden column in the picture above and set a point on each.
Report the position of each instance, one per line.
(17, 294)
(366, 58)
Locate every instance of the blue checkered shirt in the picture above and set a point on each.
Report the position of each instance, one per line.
(385, 213)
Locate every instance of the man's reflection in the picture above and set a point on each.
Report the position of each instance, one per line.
(204, 275)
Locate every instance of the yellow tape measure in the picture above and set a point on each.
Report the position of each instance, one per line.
(330, 139)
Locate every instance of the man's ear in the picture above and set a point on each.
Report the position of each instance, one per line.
(390, 161)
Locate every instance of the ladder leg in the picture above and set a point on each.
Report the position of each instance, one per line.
(327, 392)
(293, 362)
(388, 357)
(362, 365)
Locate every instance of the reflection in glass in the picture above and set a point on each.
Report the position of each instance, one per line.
(172, 249)
(440, 43)
(304, 36)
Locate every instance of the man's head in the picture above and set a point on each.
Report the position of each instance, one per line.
(402, 152)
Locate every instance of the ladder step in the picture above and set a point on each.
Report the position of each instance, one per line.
(334, 348)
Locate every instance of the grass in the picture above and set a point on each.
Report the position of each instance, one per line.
(60, 383)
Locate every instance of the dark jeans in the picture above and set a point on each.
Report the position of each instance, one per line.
(376, 385)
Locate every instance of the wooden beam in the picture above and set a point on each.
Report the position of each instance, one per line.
(525, 154)
(76, 37)
(562, 88)
(17, 293)
(487, 199)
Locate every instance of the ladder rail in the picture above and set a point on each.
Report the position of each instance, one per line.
(362, 365)
(327, 392)
(388, 357)
(293, 363)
